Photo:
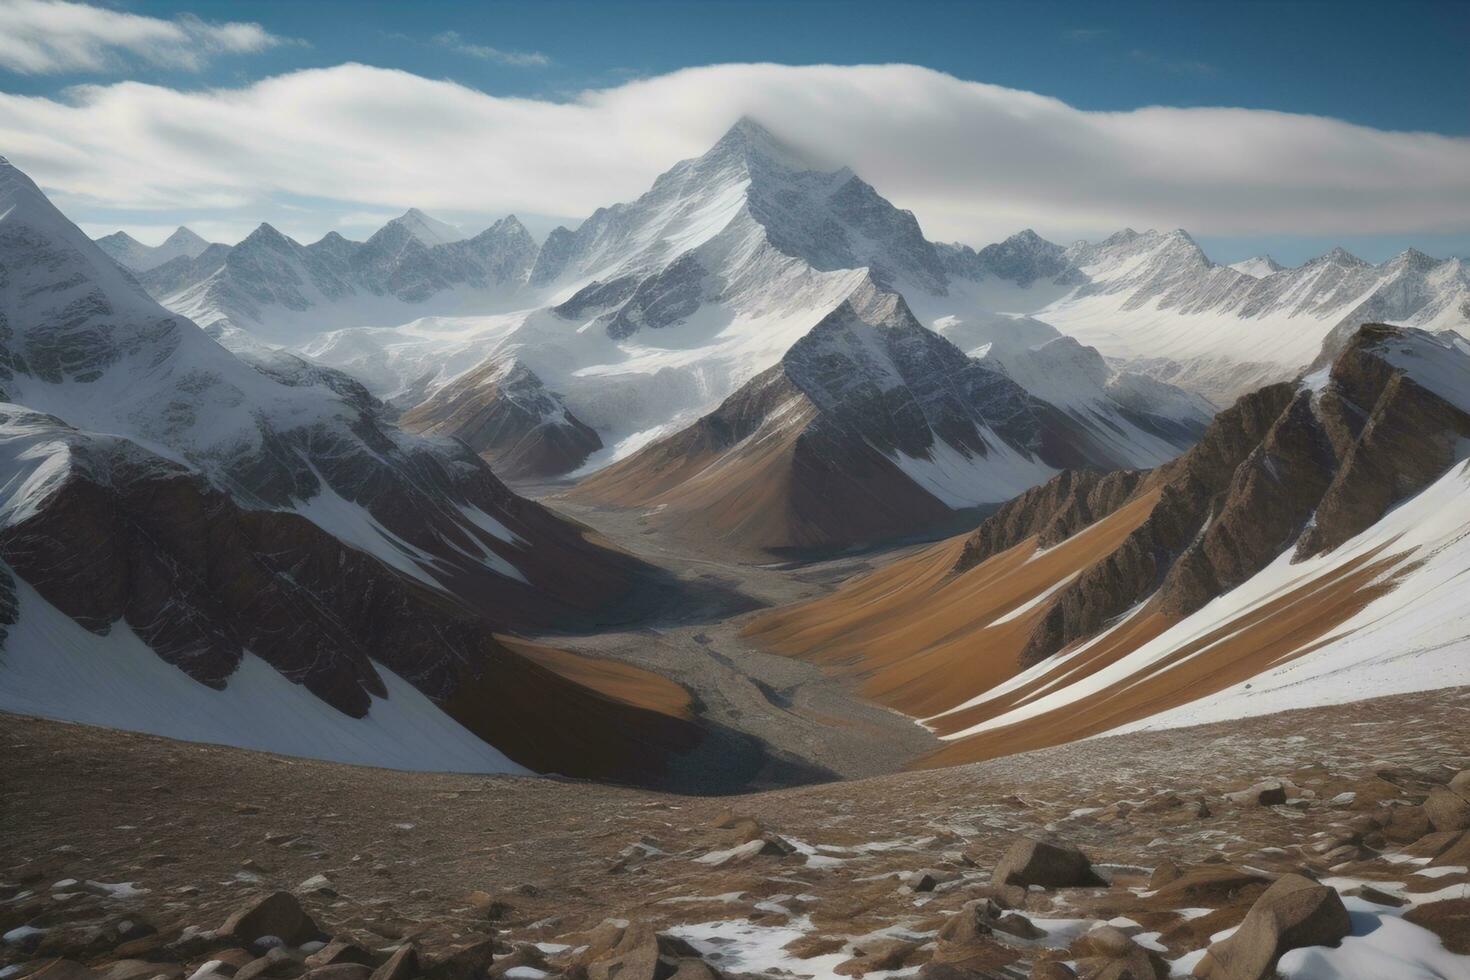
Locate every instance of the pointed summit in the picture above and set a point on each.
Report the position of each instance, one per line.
(428, 230)
(751, 141)
(1258, 266)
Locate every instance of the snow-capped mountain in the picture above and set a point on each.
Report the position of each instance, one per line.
(1258, 266)
(872, 427)
(278, 291)
(1157, 302)
(1310, 549)
(162, 493)
(504, 412)
(427, 229)
(132, 254)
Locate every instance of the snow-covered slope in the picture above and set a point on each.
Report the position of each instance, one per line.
(217, 509)
(132, 254)
(1258, 266)
(1310, 549)
(1156, 302)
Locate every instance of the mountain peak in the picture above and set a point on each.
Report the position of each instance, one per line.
(184, 237)
(427, 229)
(1339, 256)
(750, 141)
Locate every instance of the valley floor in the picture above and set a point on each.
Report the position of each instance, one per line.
(445, 859)
(812, 726)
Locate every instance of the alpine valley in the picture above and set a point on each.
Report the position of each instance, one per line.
(1052, 610)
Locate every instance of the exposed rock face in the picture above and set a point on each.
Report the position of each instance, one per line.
(1294, 912)
(138, 258)
(1282, 469)
(506, 414)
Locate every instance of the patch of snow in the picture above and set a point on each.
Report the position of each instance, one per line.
(53, 668)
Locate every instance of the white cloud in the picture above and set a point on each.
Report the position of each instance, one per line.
(974, 161)
(516, 59)
(47, 36)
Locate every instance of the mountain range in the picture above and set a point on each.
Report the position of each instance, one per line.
(173, 511)
(651, 313)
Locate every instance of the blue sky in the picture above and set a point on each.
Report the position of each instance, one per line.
(1389, 66)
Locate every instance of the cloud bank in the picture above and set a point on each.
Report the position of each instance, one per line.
(974, 161)
(47, 36)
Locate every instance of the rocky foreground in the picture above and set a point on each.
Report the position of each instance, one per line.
(1323, 843)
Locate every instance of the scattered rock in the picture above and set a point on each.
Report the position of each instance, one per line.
(1050, 864)
(402, 965)
(277, 914)
(1164, 872)
(340, 951)
(1447, 809)
(1270, 792)
(877, 954)
(317, 885)
(1293, 913)
(466, 963)
(1448, 919)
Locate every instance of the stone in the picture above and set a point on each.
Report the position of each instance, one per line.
(1269, 792)
(341, 971)
(1209, 885)
(276, 914)
(1052, 970)
(1447, 809)
(140, 970)
(1164, 872)
(341, 951)
(1461, 783)
(1448, 919)
(1293, 913)
(643, 955)
(1406, 824)
(877, 954)
(402, 965)
(1050, 864)
(808, 945)
(317, 885)
(466, 963)
(62, 969)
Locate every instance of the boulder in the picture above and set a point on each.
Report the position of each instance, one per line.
(341, 951)
(1164, 872)
(341, 971)
(1461, 783)
(1406, 824)
(276, 914)
(140, 970)
(1209, 885)
(64, 970)
(644, 955)
(402, 965)
(1447, 809)
(1052, 970)
(1293, 913)
(1269, 792)
(1108, 952)
(1050, 864)
(876, 954)
(1457, 854)
(466, 963)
